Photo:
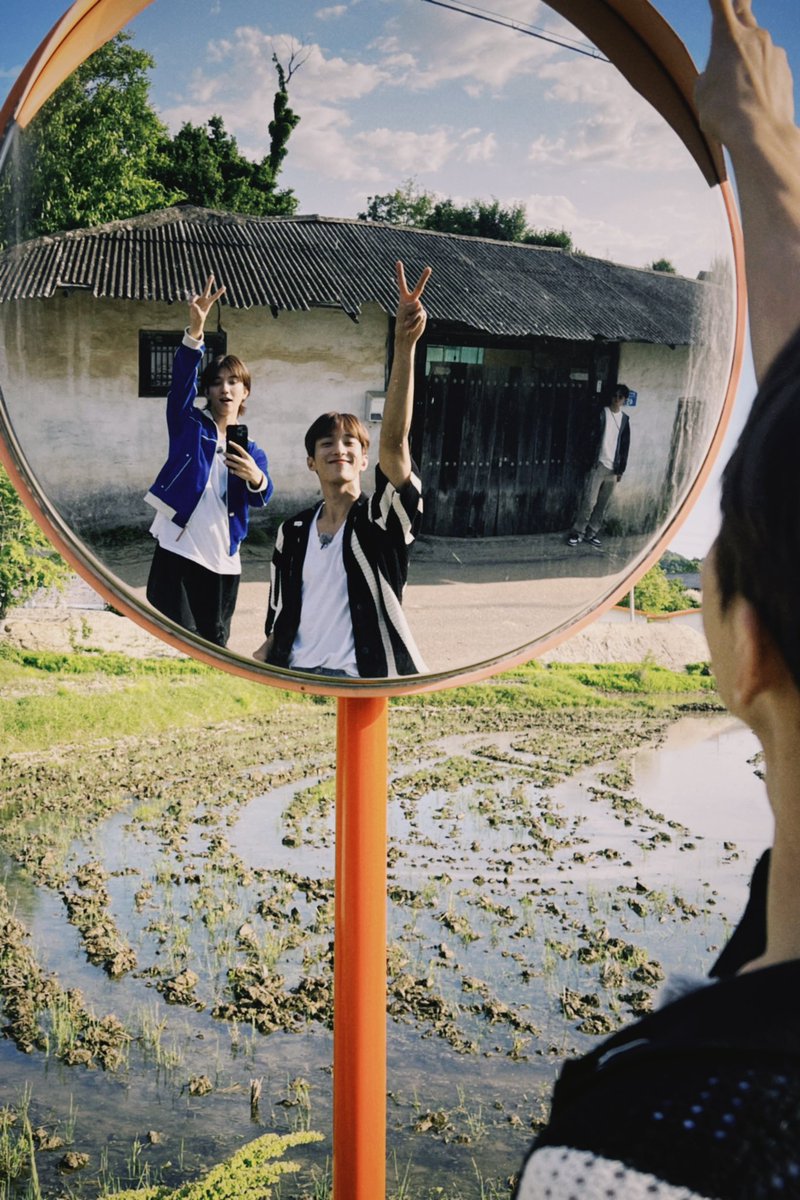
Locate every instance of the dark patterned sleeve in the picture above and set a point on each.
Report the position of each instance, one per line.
(275, 591)
(398, 511)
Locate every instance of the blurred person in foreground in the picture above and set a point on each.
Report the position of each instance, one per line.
(701, 1098)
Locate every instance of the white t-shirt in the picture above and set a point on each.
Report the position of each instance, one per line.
(611, 429)
(325, 635)
(206, 538)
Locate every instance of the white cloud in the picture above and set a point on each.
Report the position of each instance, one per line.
(242, 83)
(406, 151)
(611, 123)
(482, 57)
(331, 13)
(478, 149)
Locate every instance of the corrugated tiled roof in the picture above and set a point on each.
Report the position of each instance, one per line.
(298, 263)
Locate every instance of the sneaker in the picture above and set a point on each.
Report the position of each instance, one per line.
(593, 540)
(573, 539)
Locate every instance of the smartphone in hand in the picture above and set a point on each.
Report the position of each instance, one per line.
(238, 435)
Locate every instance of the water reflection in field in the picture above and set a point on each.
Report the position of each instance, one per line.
(534, 903)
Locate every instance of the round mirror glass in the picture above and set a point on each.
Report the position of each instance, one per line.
(455, 130)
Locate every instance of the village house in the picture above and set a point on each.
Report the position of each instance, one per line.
(521, 340)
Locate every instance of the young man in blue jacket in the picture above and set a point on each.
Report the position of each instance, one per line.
(203, 493)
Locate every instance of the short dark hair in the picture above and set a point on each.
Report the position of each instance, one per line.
(621, 390)
(758, 547)
(333, 422)
(224, 362)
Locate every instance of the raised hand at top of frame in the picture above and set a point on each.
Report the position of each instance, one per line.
(410, 317)
(200, 306)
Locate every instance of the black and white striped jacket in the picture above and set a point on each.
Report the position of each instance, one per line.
(378, 534)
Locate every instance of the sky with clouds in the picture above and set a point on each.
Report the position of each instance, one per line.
(390, 90)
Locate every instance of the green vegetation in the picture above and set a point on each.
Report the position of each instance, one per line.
(50, 698)
(676, 564)
(664, 266)
(411, 205)
(27, 559)
(656, 592)
(536, 686)
(97, 151)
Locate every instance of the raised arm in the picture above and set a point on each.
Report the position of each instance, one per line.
(394, 454)
(745, 99)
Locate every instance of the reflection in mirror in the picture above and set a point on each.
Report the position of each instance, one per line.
(411, 105)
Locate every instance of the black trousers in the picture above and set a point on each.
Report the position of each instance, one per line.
(192, 596)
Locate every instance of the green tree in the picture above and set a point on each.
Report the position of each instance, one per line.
(406, 205)
(663, 265)
(91, 152)
(97, 151)
(411, 205)
(202, 164)
(549, 237)
(27, 560)
(656, 592)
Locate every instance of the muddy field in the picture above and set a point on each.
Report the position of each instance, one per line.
(166, 932)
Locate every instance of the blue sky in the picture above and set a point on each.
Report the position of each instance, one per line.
(393, 89)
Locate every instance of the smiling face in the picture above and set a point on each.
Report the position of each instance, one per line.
(338, 458)
(226, 393)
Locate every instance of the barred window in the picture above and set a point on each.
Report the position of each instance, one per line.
(157, 350)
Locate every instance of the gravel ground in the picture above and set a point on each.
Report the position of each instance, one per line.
(671, 644)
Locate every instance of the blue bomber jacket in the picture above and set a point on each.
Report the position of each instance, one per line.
(192, 444)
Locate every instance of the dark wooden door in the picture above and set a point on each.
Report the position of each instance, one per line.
(497, 448)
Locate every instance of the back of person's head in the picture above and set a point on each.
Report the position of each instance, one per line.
(224, 362)
(758, 547)
(335, 422)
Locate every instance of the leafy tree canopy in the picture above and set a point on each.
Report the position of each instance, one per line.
(97, 151)
(202, 164)
(656, 592)
(89, 154)
(27, 560)
(411, 205)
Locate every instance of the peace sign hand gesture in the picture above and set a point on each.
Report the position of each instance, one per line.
(410, 317)
(746, 89)
(200, 306)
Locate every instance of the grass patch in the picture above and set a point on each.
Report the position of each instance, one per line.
(537, 686)
(56, 698)
(149, 696)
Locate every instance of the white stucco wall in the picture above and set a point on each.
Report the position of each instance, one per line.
(69, 371)
(660, 376)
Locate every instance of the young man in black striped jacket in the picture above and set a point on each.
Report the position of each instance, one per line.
(339, 569)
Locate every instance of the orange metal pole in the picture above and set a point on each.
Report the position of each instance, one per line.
(359, 971)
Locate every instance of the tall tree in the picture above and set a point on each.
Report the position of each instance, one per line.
(203, 165)
(90, 153)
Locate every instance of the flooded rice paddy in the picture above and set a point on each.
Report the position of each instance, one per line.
(166, 932)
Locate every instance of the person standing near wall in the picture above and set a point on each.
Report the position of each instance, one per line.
(606, 443)
(203, 493)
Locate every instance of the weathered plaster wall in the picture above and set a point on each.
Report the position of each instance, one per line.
(70, 379)
(660, 376)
